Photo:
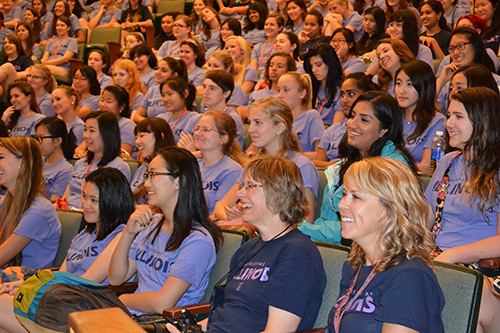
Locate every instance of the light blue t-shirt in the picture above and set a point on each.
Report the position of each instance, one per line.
(70, 44)
(75, 26)
(169, 48)
(326, 112)
(356, 21)
(460, 224)
(255, 36)
(149, 79)
(104, 80)
(197, 76)
(260, 94)
(91, 101)
(354, 65)
(127, 127)
(84, 250)
(218, 179)
(45, 105)
(81, 169)
(77, 126)
(39, 223)
(262, 52)
(209, 43)
(57, 177)
(331, 140)
(191, 263)
(152, 102)
(107, 16)
(309, 127)
(179, 124)
(424, 141)
(25, 126)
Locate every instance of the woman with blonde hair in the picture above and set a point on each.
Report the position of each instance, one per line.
(30, 227)
(237, 48)
(384, 213)
(295, 89)
(271, 130)
(126, 75)
(43, 84)
(66, 103)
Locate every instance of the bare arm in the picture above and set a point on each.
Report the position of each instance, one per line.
(80, 37)
(59, 61)
(156, 302)
(140, 115)
(394, 328)
(98, 272)
(11, 247)
(311, 205)
(229, 201)
(424, 165)
(281, 321)
(322, 160)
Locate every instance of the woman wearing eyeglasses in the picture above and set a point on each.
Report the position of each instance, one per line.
(57, 145)
(181, 241)
(466, 48)
(182, 31)
(215, 138)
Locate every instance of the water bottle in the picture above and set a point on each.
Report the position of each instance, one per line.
(438, 149)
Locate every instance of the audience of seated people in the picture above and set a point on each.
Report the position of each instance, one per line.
(317, 84)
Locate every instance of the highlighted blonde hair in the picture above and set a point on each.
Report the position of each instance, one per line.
(304, 83)
(404, 232)
(226, 59)
(240, 68)
(134, 84)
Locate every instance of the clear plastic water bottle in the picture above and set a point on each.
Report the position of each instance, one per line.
(438, 149)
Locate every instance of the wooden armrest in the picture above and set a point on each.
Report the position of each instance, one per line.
(195, 309)
(102, 320)
(128, 287)
(114, 51)
(314, 330)
(489, 263)
(150, 36)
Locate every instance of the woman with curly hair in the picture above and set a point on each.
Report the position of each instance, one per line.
(383, 212)
(126, 75)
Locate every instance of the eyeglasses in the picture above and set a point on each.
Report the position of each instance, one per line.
(337, 41)
(151, 175)
(40, 138)
(204, 129)
(179, 26)
(36, 77)
(79, 78)
(248, 187)
(459, 47)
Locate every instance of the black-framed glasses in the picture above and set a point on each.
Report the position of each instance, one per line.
(80, 78)
(151, 175)
(248, 187)
(40, 138)
(459, 47)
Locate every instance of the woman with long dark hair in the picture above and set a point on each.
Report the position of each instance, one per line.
(374, 24)
(174, 237)
(437, 34)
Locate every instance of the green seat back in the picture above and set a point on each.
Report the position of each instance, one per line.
(133, 165)
(232, 242)
(166, 6)
(462, 289)
(333, 257)
(247, 140)
(198, 100)
(424, 180)
(72, 222)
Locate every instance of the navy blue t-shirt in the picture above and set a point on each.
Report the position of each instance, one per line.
(407, 294)
(287, 274)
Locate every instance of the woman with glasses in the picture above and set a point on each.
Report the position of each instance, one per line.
(86, 83)
(23, 112)
(182, 31)
(466, 48)
(222, 157)
(57, 145)
(274, 302)
(178, 96)
(181, 240)
(43, 83)
(344, 44)
(146, 62)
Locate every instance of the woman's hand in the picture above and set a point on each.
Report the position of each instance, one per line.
(234, 212)
(10, 287)
(303, 36)
(186, 141)
(447, 256)
(140, 219)
(80, 152)
(8, 113)
(448, 71)
(342, 51)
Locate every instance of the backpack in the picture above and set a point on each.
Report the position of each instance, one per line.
(47, 298)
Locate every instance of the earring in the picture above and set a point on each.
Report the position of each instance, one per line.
(242, 52)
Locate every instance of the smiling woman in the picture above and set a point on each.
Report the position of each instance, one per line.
(374, 128)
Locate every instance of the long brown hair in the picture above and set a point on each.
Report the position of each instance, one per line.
(404, 54)
(29, 185)
(27, 90)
